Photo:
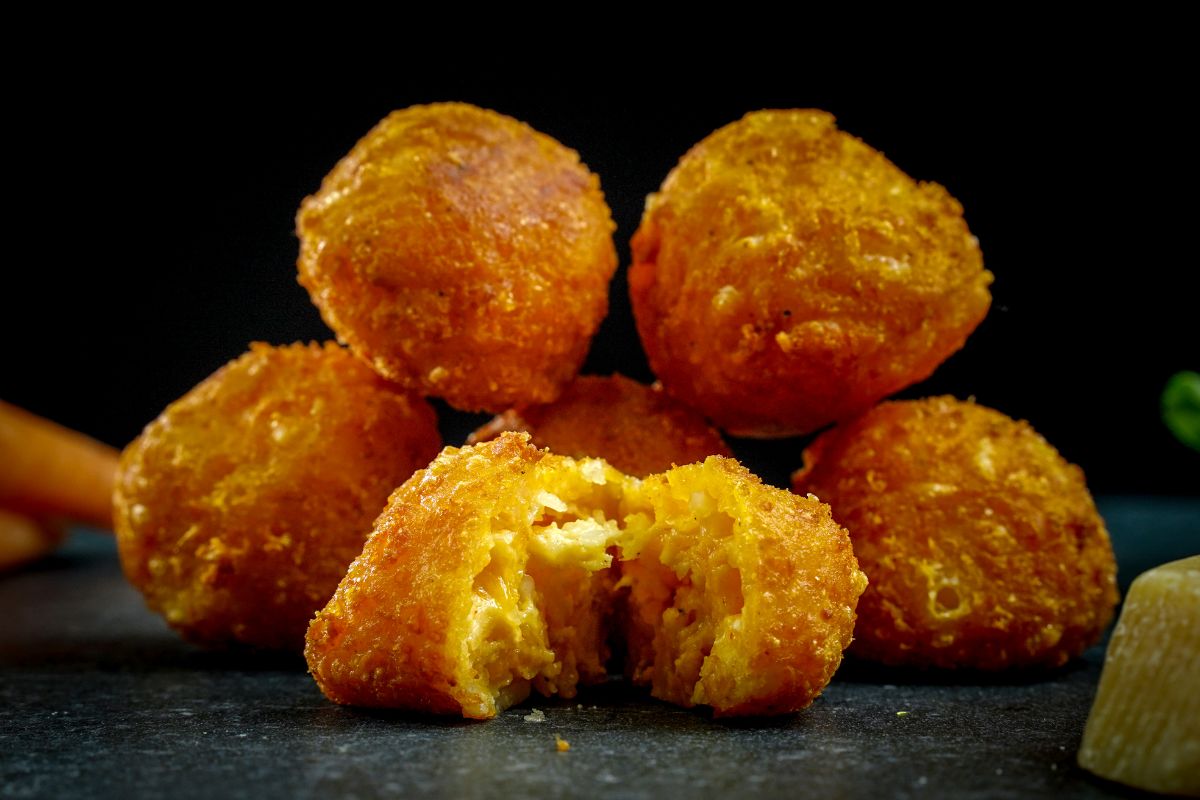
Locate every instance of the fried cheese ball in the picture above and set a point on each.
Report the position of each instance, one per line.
(456, 605)
(787, 275)
(636, 428)
(741, 596)
(492, 572)
(238, 510)
(463, 254)
(982, 544)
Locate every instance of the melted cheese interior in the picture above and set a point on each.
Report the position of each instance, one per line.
(540, 607)
(684, 581)
(580, 537)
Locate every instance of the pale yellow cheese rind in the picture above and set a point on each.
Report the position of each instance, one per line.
(1144, 727)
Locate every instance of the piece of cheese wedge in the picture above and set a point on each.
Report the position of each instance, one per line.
(1144, 728)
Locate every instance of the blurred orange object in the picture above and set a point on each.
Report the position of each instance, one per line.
(47, 470)
(23, 539)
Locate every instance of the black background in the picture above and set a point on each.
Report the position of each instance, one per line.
(151, 217)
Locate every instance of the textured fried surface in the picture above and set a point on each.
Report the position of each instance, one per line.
(239, 508)
(741, 595)
(982, 544)
(491, 572)
(638, 429)
(446, 609)
(463, 254)
(787, 275)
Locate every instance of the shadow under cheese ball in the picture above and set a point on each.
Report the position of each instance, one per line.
(638, 429)
(498, 570)
(463, 254)
(982, 545)
(238, 510)
(787, 275)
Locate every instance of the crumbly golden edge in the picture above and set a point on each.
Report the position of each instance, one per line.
(565, 514)
(210, 608)
(533, 370)
(962, 629)
(888, 358)
(751, 616)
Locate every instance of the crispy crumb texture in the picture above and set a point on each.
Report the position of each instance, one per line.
(982, 544)
(636, 428)
(741, 596)
(461, 253)
(487, 575)
(238, 510)
(787, 275)
(500, 569)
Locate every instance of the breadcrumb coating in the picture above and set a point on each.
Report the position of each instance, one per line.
(496, 570)
(982, 544)
(636, 428)
(787, 275)
(444, 612)
(461, 253)
(238, 510)
(741, 596)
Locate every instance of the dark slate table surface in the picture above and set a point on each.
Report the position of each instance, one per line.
(99, 699)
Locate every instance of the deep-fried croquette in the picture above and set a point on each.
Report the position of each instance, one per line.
(492, 572)
(787, 275)
(457, 602)
(982, 545)
(238, 510)
(636, 428)
(741, 595)
(463, 254)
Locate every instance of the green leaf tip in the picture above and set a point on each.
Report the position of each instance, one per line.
(1181, 407)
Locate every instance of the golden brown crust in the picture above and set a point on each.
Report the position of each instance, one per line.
(239, 508)
(463, 254)
(738, 595)
(638, 429)
(787, 275)
(382, 640)
(426, 618)
(982, 544)
(779, 584)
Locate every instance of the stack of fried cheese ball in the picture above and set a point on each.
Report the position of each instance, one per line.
(786, 276)
(460, 254)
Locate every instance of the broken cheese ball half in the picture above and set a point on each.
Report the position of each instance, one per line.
(741, 596)
(501, 568)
